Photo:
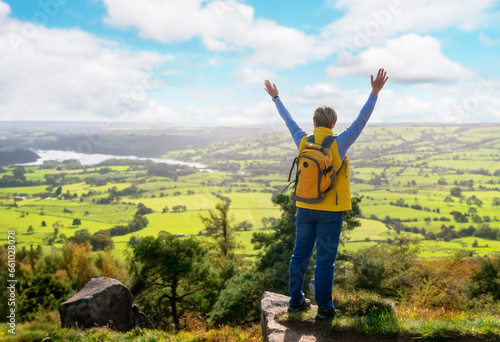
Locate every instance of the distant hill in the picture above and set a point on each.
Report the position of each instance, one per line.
(10, 156)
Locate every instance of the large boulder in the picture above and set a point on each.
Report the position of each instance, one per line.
(103, 302)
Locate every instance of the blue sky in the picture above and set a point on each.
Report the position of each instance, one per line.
(194, 62)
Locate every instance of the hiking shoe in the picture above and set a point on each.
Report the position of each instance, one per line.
(305, 304)
(326, 313)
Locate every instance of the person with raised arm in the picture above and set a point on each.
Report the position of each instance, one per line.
(321, 222)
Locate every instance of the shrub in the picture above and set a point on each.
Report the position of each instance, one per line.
(368, 273)
(40, 291)
(239, 300)
(439, 283)
(486, 279)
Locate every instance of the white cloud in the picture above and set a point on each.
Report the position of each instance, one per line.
(473, 101)
(252, 75)
(4, 10)
(469, 101)
(228, 25)
(213, 44)
(72, 75)
(68, 75)
(409, 58)
(220, 25)
(370, 22)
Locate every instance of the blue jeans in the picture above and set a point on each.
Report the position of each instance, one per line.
(323, 227)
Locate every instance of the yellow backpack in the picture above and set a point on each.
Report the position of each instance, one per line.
(315, 171)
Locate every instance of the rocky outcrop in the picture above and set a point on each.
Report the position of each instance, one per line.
(103, 302)
(273, 304)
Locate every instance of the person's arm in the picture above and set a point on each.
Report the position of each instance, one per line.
(296, 132)
(351, 133)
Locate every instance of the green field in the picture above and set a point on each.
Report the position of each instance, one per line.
(414, 165)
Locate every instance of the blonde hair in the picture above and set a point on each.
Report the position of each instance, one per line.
(324, 116)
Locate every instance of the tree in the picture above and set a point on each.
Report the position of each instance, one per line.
(277, 247)
(456, 191)
(459, 217)
(58, 191)
(138, 222)
(101, 241)
(143, 210)
(442, 181)
(476, 218)
(133, 241)
(271, 221)
(245, 225)
(485, 231)
(19, 172)
(237, 302)
(81, 236)
(220, 226)
(77, 262)
(76, 222)
(473, 200)
(44, 224)
(62, 238)
(173, 271)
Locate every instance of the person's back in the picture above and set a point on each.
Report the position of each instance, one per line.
(322, 222)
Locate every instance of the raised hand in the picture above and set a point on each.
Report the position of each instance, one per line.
(271, 88)
(379, 82)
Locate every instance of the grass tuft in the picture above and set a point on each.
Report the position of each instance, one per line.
(364, 303)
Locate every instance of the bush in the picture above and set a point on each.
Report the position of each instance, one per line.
(486, 279)
(368, 273)
(240, 300)
(439, 283)
(40, 291)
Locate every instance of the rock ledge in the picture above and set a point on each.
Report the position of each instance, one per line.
(273, 304)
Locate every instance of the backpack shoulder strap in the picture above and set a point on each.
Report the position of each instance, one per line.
(328, 141)
(311, 139)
